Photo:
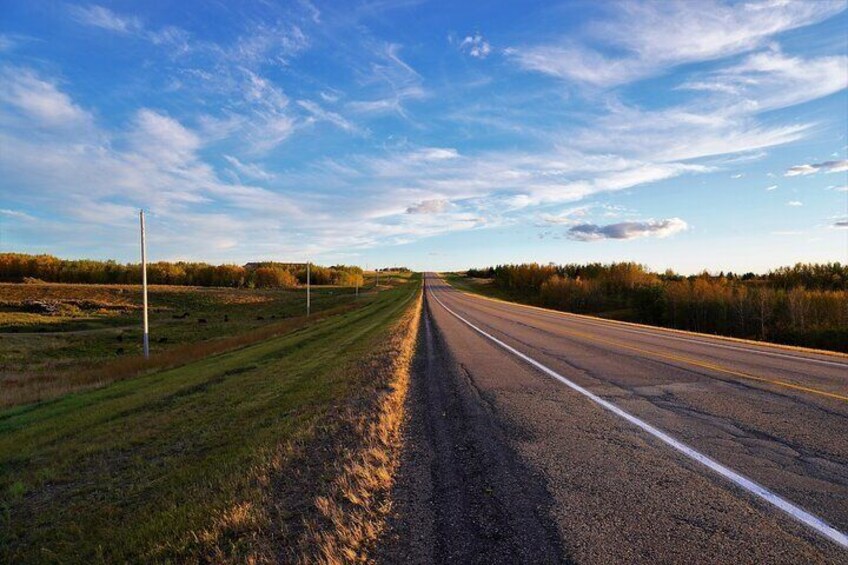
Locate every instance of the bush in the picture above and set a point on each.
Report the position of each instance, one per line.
(273, 277)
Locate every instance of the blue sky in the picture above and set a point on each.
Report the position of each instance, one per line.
(438, 135)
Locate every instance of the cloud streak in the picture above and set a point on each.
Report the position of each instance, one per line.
(655, 36)
(627, 230)
(813, 168)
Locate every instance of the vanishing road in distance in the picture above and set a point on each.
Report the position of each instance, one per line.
(539, 436)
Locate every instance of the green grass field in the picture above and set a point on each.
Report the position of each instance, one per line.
(96, 329)
(128, 471)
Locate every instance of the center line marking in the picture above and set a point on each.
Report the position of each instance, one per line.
(752, 487)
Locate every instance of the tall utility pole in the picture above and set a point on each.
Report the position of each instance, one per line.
(308, 297)
(146, 338)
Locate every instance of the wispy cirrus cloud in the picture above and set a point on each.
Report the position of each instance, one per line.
(393, 79)
(568, 216)
(321, 114)
(655, 36)
(770, 80)
(249, 170)
(104, 18)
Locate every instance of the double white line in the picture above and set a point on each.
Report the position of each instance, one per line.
(757, 490)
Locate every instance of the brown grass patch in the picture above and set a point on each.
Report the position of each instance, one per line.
(352, 510)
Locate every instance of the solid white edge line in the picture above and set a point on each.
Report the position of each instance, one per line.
(754, 488)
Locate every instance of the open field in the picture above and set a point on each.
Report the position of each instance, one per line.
(192, 462)
(59, 337)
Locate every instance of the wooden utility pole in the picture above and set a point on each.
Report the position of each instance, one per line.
(146, 334)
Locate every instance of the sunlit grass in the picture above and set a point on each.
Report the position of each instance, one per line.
(130, 470)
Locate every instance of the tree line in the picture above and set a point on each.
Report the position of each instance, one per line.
(805, 304)
(17, 267)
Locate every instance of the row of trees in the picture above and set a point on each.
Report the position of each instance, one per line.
(15, 267)
(802, 305)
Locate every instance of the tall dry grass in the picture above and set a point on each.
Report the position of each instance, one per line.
(353, 509)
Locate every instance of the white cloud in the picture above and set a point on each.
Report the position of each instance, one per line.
(320, 113)
(8, 42)
(813, 168)
(654, 36)
(39, 99)
(395, 81)
(770, 80)
(16, 214)
(771, 187)
(98, 16)
(163, 138)
(314, 12)
(250, 170)
(433, 154)
(330, 96)
(627, 230)
(476, 46)
(433, 206)
(566, 216)
(268, 45)
(795, 203)
(682, 133)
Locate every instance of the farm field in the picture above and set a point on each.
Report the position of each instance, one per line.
(59, 337)
(189, 462)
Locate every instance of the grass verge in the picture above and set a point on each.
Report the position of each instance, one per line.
(74, 348)
(226, 458)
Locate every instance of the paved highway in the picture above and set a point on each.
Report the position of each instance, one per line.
(538, 436)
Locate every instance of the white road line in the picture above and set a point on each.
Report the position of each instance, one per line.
(754, 348)
(794, 511)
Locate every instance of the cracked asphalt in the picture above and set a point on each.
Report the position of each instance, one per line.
(504, 464)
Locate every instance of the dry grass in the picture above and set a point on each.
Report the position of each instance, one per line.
(34, 388)
(325, 499)
(353, 509)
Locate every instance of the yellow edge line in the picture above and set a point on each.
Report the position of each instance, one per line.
(660, 329)
(687, 360)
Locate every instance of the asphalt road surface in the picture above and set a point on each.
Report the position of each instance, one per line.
(541, 437)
